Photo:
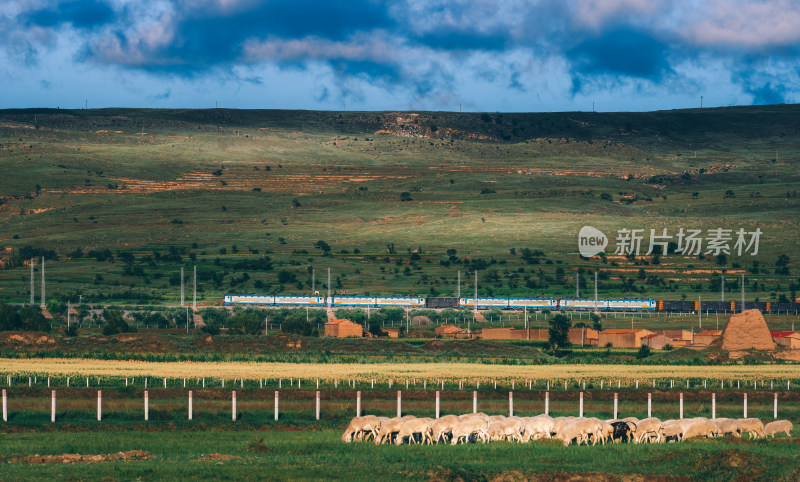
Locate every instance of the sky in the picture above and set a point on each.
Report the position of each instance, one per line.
(469, 55)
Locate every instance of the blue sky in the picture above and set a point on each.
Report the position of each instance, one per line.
(477, 55)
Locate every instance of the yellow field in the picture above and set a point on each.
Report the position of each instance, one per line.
(627, 374)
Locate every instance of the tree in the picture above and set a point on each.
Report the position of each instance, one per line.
(115, 323)
(9, 319)
(296, 323)
(247, 322)
(375, 326)
(559, 331)
(597, 323)
(325, 247)
(644, 352)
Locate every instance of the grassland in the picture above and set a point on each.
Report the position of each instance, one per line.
(246, 196)
(314, 455)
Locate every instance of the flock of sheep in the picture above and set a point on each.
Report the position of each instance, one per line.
(485, 428)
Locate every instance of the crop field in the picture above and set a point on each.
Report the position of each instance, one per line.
(120, 199)
(398, 372)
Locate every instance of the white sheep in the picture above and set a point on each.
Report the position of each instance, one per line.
(444, 426)
(752, 426)
(359, 427)
(776, 427)
(412, 427)
(726, 426)
(509, 429)
(474, 426)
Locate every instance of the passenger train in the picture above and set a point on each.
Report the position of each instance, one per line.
(552, 304)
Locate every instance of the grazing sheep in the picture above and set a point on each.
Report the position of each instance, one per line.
(475, 426)
(359, 427)
(444, 426)
(506, 430)
(673, 430)
(578, 429)
(540, 426)
(699, 427)
(622, 431)
(752, 426)
(389, 428)
(726, 426)
(778, 426)
(649, 428)
(412, 427)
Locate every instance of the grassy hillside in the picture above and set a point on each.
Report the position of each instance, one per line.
(403, 200)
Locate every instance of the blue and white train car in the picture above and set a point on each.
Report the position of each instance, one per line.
(630, 305)
(353, 300)
(536, 303)
(501, 303)
(300, 300)
(249, 300)
(582, 304)
(413, 301)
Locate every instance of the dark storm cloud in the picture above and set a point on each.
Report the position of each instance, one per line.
(82, 14)
(623, 52)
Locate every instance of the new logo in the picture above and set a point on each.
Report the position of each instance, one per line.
(591, 241)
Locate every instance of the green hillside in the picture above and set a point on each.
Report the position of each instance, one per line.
(401, 201)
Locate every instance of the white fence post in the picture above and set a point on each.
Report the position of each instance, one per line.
(713, 405)
(99, 405)
(775, 407)
(146, 406)
(317, 404)
(233, 405)
(580, 406)
(474, 402)
(745, 405)
(5, 406)
(547, 403)
(437, 402)
(190, 405)
(358, 403)
(510, 404)
(277, 398)
(399, 404)
(649, 405)
(53, 406)
(616, 405)
(680, 413)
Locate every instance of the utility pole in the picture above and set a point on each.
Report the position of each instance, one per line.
(700, 312)
(329, 287)
(33, 295)
(67, 315)
(722, 287)
(595, 291)
(577, 285)
(43, 305)
(194, 290)
(742, 291)
(458, 286)
(701, 101)
(181, 285)
(313, 281)
(475, 300)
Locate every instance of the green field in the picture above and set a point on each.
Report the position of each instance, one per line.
(300, 447)
(402, 201)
